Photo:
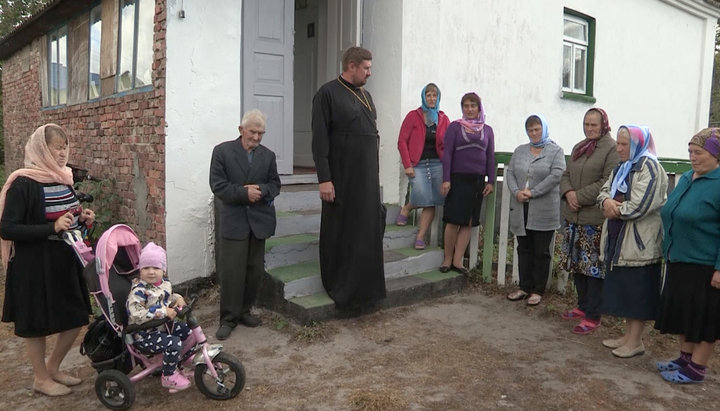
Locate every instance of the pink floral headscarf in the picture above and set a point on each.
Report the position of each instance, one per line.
(40, 166)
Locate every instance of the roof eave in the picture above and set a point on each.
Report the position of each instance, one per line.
(47, 18)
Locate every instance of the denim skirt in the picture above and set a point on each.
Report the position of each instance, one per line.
(425, 186)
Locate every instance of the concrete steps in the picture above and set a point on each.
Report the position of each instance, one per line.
(294, 286)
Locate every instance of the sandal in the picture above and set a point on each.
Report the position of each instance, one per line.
(574, 314)
(678, 377)
(420, 244)
(517, 295)
(586, 327)
(667, 366)
(401, 220)
(534, 300)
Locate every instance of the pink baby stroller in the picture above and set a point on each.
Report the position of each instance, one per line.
(108, 342)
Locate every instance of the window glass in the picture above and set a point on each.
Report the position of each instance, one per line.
(94, 52)
(52, 69)
(127, 43)
(62, 65)
(567, 65)
(576, 30)
(57, 66)
(580, 69)
(146, 16)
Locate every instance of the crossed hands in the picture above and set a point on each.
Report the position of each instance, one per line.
(254, 193)
(572, 200)
(524, 195)
(611, 208)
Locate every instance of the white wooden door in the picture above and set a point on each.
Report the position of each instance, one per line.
(267, 72)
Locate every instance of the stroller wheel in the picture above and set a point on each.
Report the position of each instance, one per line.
(230, 377)
(114, 390)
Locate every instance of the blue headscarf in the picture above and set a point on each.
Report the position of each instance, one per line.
(641, 145)
(432, 113)
(545, 133)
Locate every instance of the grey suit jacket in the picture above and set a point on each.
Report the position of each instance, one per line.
(229, 172)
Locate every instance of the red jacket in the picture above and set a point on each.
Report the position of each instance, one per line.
(411, 140)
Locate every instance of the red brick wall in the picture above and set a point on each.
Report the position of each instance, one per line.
(118, 137)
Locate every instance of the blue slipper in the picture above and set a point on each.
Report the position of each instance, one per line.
(667, 366)
(678, 378)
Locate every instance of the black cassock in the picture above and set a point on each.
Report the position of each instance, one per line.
(345, 149)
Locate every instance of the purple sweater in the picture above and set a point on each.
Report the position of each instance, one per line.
(475, 155)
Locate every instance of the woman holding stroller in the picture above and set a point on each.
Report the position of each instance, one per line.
(45, 292)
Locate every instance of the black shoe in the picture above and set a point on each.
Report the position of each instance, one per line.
(249, 320)
(462, 270)
(223, 332)
(444, 268)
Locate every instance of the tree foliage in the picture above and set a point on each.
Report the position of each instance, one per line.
(12, 13)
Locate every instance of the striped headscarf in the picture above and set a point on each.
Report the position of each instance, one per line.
(641, 145)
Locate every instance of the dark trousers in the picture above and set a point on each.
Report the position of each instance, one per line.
(589, 291)
(534, 260)
(241, 264)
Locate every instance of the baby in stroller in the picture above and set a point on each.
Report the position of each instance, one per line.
(121, 336)
(150, 298)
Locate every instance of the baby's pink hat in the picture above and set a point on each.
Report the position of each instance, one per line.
(153, 256)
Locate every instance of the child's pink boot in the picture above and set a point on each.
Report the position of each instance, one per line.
(175, 382)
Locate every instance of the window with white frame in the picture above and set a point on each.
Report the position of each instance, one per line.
(57, 66)
(135, 44)
(578, 53)
(94, 90)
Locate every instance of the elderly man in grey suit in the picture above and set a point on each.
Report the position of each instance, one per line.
(244, 178)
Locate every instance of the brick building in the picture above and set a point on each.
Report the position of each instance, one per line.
(117, 131)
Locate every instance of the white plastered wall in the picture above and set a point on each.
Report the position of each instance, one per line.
(202, 109)
(653, 66)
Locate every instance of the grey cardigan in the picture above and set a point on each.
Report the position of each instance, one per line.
(542, 174)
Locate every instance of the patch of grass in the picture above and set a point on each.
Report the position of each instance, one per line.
(313, 332)
(378, 400)
(279, 322)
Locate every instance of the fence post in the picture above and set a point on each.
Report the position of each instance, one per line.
(504, 228)
(488, 234)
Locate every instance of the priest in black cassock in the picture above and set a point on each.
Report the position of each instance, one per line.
(345, 149)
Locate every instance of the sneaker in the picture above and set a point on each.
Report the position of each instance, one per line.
(175, 382)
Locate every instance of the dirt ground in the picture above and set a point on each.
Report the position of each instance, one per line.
(473, 350)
